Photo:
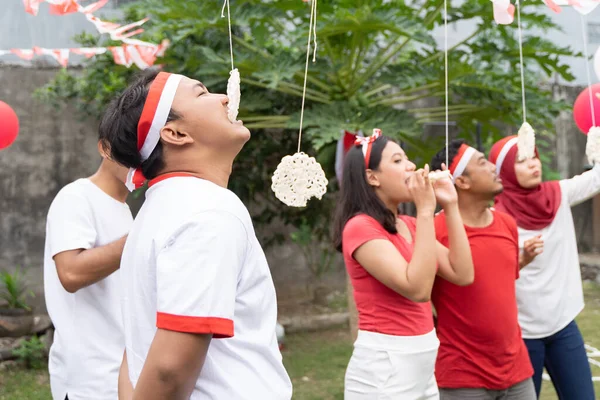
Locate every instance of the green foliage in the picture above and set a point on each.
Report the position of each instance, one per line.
(317, 251)
(13, 289)
(32, 353)
(378, 65)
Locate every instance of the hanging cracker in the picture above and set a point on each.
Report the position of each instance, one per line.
(439, 175)
(297, 179)
(300, 177)
(592, 147)
(526, 142)
(233, 83)
(234, 94)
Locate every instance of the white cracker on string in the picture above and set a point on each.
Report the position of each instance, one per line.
(525, 142)
(592, 147)
(439, 175)
(234, 94)
(300, 177)
(297, 179)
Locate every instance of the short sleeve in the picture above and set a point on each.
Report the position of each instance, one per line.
(441, 230)
(359, 230)
(70, 223)
(197, 273)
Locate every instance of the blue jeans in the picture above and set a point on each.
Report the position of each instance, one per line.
(563, 354)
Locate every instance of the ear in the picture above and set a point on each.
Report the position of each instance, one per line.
(462, 183)
(172, 135)
(104, 152)
(372, 178)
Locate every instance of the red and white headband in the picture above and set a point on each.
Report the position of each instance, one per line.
(500, 150)
(460, 161)
(154, 117)
(366, 144)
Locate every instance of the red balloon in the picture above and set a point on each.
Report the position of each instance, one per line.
(582, 109)
(9, 125)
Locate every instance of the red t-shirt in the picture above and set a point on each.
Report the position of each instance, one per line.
(477, 325)
(380, 309)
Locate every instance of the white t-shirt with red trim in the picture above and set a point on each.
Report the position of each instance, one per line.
(192, 263)
(88, 340)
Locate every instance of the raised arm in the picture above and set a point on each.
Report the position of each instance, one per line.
(411, 278)
(196, 284)
(582, 187)
(455, 262)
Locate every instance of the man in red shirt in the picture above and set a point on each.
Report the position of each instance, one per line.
(482, 355)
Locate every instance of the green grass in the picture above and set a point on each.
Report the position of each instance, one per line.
(20, 384)
(316, 362)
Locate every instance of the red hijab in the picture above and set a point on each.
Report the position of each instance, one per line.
(534, 208)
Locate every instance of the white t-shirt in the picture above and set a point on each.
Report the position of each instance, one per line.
(549, 291)
(88, 342)
(192, 263)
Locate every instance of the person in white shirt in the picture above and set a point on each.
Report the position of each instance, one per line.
(199, 304)
(85, 234)
(549, 290)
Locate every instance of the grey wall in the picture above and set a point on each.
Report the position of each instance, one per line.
(52, 149)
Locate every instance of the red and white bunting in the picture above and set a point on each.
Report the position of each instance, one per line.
(141, 55)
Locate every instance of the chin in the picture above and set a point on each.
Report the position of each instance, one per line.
(534, 182)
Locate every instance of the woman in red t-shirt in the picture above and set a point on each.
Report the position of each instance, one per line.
(392, 261)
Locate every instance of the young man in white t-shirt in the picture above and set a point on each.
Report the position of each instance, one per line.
(199, 304)
(85, 234)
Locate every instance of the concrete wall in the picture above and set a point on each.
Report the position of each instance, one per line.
(52, 149)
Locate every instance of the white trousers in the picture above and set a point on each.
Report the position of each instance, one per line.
(387, 367)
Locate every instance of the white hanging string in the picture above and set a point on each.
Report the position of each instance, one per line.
(226, 4)
(446, 72)
(587, 67)
(312, 30)
(521, 59)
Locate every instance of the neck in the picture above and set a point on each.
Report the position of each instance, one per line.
(212, 171)
(109, 183)
(474, 210)
(393, 207)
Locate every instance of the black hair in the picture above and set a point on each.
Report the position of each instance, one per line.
(440, 156)
(118, 127)
(357, 196)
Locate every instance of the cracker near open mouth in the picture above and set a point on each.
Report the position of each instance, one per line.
(439, 175)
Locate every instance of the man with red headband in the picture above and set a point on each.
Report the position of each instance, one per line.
(199, 304)
(482, 355)
(85, 234)
(549, 291)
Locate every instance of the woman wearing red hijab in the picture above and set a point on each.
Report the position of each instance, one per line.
(549, 291)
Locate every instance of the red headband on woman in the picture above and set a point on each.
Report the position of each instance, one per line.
(367, 143)
(154, 117)
(532, 208)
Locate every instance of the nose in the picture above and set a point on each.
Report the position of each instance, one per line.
(410, 166)
(224, 99)
(492, 166)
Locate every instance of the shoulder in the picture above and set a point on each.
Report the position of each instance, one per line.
(504, 217)
(361, 221)
(198, 199)
(72, 195)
